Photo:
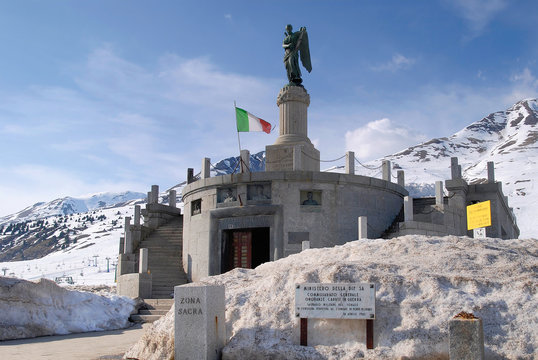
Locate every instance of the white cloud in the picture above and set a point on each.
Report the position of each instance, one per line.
(380, 137)
(228, 16)
(525, 86)
(478, 13)
(398, 62)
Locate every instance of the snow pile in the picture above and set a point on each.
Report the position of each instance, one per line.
(422, 282)
(43, 308)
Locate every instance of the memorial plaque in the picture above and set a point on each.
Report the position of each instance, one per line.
(335, 301)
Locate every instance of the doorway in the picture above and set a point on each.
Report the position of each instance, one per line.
(245, 248)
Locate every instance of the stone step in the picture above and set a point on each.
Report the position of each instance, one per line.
(153, 312)
(137, 318)
(159, 302)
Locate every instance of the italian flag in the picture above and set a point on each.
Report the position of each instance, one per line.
(247, 122)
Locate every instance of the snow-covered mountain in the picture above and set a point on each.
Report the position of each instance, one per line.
(72, 205)
(508, 138)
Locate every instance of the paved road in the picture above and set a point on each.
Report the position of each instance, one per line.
(86, 346)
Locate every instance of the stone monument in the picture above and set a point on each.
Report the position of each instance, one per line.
(199, 322)
(293, 150)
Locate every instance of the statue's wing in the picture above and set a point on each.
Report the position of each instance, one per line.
(304, 51)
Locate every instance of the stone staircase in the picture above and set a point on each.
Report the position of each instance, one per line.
(165, 247)
(152, 310)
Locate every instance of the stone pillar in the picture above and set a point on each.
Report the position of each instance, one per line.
(457, 200)
(172, 195)
(350, 162)
(491, 172)
(293, 104)
(439, 194)
(297, 156)
(149, 197)
(455, 169)
(245, 161)
(199, 322)
(206, 168)
(190, 175)
(154, 194)
(275, 254)
(363, 228)
(122, 244)
(128, 245)
(305, 245)
(137, 215)
(386, 170)
(143, 261)
(401, 178)
(466, 338)
(408, 208)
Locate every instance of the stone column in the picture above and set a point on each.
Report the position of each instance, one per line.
(137, 215)
(363, 228)
(143, 261)
(455, 169)
(122, 244)
(457, 201)
(245, 161)
(350, 162)
(401, 178)
(386, 170)
(206, 168)
(149, 197)
(439, 193)
(293, 103)
(408, 208)
(305, 245)
(190, 175)
(172, 195)
(491, 172)
(154, 194)
(128, 246)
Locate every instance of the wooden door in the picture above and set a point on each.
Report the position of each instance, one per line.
(242, 249)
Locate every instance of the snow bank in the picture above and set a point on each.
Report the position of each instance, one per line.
(31, 309)
(422, 282)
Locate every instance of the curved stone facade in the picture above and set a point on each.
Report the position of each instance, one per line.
(284, 208)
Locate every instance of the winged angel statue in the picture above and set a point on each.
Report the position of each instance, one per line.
(295, 45)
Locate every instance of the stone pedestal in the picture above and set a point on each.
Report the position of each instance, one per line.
(293, 103)
(134, 285)
(199, 330)
(466, 337)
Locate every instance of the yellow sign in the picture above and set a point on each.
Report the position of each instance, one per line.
(479, 215)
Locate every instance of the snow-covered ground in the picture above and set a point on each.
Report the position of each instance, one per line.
(31, 309)
(422, 282)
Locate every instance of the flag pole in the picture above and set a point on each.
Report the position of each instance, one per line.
(238, 138)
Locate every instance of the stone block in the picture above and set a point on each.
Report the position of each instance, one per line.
(126, 264)
(350, 162)
(199, 322)
(363, 227)
(135, 285)
(466, 338)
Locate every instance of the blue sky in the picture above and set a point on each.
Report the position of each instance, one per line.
(119, 95)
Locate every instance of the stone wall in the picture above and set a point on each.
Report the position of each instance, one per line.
(340, 198)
